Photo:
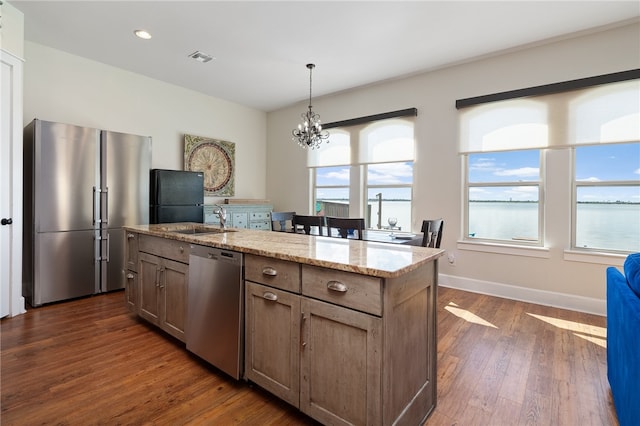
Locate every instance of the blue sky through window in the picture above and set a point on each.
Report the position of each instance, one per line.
(609, 162)
(507, 166)
(597, 163)
(400, 173)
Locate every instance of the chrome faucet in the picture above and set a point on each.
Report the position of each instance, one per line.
(222, 215)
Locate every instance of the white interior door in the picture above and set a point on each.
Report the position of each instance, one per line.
(5, 191)
(11, 300)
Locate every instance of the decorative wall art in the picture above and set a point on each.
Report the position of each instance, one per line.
(216, 159)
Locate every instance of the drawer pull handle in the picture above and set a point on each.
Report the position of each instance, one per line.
(337, 286)
(269, 271)
(129, 276)
(181, 249)
(270, 296)
(129, 236)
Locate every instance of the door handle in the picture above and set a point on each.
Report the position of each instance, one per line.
(106, 206)
(6, 221)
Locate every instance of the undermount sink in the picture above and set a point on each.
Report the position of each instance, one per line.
(200, 231)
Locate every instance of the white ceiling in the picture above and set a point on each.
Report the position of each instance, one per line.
(262, 47)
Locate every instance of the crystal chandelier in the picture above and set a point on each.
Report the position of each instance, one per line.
(309, 133)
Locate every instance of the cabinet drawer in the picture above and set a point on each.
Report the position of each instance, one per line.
(169, 249)
(262, 225)
(277, 273)
(347, 289)
(261, 216)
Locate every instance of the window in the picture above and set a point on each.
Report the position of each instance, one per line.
(503, 188)
(503, 143)
(389, 181)
(503, 196)
(389, 187)
(331, 179)
(366, 170)
(607, 197)
(332, 190)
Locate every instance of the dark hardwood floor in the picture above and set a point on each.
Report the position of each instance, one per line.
(500, 362)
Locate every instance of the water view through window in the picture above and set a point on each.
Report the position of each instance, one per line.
(607, 185)
(504, 193)
(504, 187)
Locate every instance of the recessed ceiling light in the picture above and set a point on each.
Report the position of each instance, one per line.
(201, 56)
(142, 34)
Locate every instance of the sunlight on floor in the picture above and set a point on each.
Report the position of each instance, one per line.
(466, 315)
(591, 333)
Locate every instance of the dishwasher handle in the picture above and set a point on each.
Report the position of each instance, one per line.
(213, 253)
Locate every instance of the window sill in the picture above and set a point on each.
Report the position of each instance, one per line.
(603, 258)
(510, 249)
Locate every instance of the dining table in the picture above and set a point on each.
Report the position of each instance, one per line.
(383, 236)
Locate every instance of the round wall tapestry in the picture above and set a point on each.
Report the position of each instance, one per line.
(216, 159)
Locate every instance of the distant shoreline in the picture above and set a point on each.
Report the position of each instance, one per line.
(500, 201)
(527, 201)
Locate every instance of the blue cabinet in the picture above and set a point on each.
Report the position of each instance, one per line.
(247, 216)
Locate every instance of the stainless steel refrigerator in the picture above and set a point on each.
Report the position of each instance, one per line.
(81, 185)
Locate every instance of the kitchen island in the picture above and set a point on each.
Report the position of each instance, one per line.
(344, 330)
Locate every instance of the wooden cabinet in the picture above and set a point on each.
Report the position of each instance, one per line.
(272, 356)
(247, 216)
(131, 288)
(131, 251)
(340, 364)
(344, 348)
(162, 280)
(341, 358)
(132, 292)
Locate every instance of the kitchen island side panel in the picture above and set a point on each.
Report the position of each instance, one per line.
(409, 381)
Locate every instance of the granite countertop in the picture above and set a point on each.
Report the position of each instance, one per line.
(363, 257)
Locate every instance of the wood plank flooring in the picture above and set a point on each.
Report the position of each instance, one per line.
(500, 362)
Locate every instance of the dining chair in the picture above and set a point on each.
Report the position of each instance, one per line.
(281, 218)
(432, 232)
(344, 224)
(307, 222)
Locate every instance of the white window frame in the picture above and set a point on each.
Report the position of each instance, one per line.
(576, 184)
(540, 184)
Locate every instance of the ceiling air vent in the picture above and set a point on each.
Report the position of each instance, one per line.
(201, 56)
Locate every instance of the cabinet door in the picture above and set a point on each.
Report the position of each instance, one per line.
(132, 291)
(173, 287)
(240, 220)
(340, 364)
(131, 251)
(149, 282)
(272, 341)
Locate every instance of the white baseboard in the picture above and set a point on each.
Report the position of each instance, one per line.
(540, 297)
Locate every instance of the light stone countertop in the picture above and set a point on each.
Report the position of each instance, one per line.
(363, 257)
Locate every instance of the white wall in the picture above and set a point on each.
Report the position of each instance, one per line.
(551, 279)
(62, 87)
(12, 33)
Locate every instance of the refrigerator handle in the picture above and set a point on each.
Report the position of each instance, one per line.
(94, 205)
(106, 258)
(106, 205)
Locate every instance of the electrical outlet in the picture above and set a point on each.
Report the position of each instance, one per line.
(451, 257)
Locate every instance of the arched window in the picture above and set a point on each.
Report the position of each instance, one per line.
(366, 170)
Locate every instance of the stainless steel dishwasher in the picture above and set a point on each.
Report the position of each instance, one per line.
(215, 311)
